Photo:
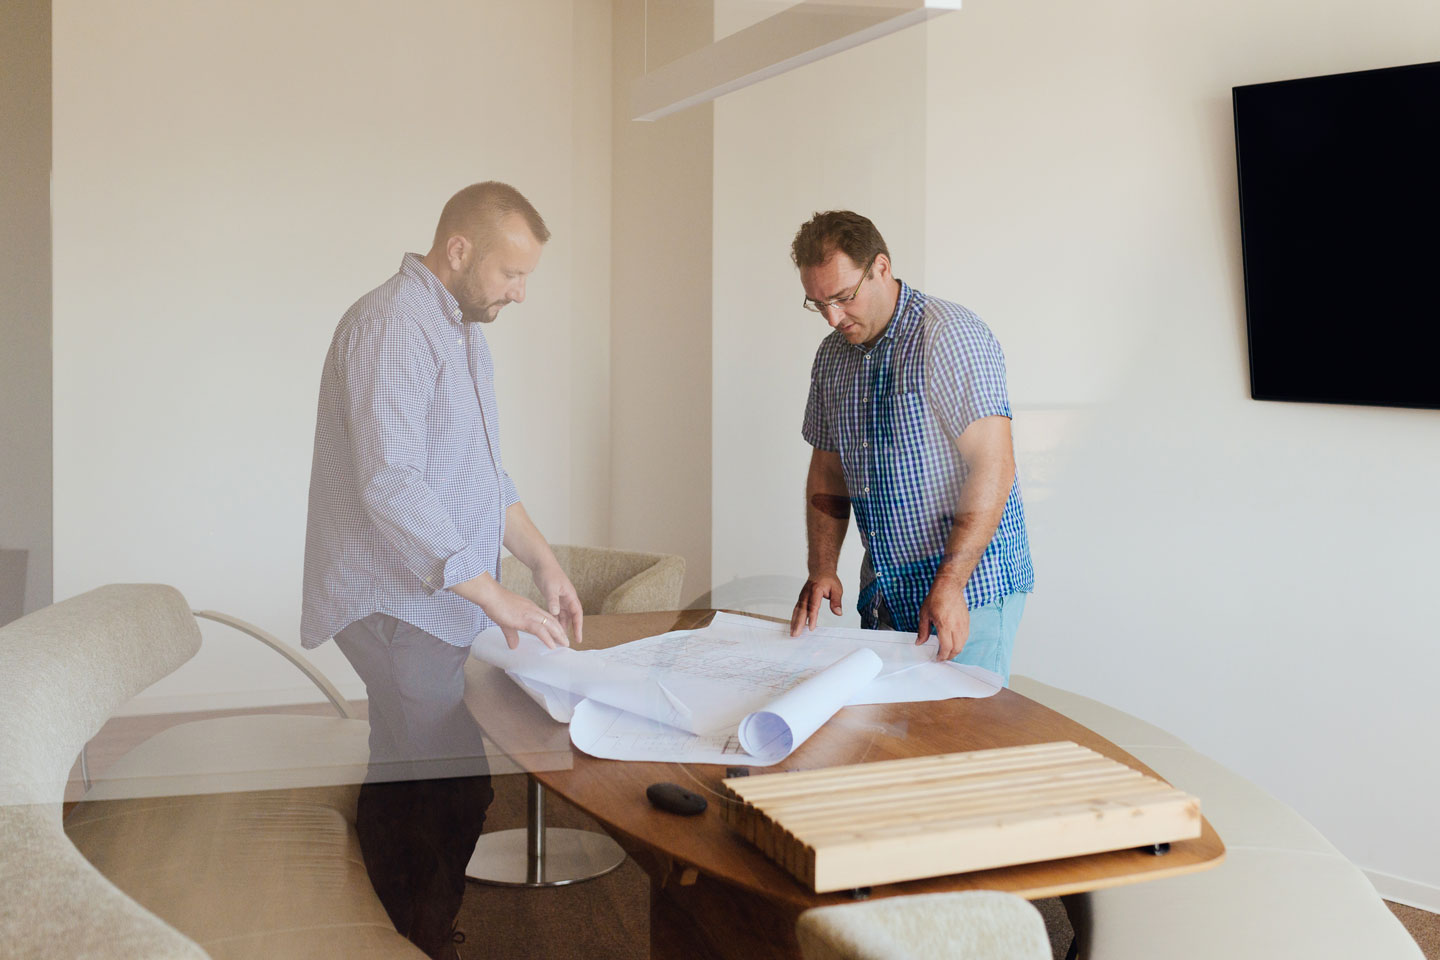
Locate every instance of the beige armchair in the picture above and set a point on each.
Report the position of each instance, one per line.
(608, 581)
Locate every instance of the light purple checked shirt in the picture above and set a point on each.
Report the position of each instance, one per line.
(407, 491)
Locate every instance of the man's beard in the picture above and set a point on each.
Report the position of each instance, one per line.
(485, 314)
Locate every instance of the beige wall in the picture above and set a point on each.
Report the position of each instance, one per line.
(25, 409)
(660, 342)
(224, 189)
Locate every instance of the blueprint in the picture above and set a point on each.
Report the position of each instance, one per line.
(739, 690)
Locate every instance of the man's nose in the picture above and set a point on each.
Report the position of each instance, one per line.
(517, 293)
(833, 313)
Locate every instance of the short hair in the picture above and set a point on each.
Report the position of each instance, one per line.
(477, 212)
(825, 233)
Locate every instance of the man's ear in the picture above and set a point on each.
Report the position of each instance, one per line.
(882, 266)
(457, 250)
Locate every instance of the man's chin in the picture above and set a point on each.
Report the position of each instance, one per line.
(486, 315)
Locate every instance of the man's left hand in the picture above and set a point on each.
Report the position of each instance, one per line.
(560, 598)
(945, 608)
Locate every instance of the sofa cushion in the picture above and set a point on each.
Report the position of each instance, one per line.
(234, 871)
(53, 903)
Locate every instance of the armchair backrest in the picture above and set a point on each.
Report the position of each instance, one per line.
(63, 670)
(608, 581)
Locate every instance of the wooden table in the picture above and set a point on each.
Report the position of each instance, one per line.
(700, 867)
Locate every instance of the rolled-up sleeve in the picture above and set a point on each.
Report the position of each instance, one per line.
(509, 495)
(817, 428)
(389, 377)
(964, 375)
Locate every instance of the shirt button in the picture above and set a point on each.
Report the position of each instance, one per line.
(866, 490)
(459, 341)
(864, 443)
(864, 399)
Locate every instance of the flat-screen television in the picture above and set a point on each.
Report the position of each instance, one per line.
(1340, 231)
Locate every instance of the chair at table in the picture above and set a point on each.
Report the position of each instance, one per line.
(608, 581)
(973, 925)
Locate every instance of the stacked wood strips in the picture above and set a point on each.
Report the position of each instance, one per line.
(872, 823)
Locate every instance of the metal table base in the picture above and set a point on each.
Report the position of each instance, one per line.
(538, 856)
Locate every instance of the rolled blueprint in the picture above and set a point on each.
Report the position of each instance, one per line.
(772, 734)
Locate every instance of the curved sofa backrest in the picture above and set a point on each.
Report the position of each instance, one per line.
(65, 668)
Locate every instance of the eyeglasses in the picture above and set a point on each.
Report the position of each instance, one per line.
(820, 306)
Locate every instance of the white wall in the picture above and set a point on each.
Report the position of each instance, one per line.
(227, 182)
(1256, 577)
(847, 132)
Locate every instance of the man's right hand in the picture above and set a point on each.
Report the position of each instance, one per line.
(807, 608)
(512, 612)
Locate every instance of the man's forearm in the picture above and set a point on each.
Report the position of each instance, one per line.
(977, 516)
(524, 540)
(827, 515)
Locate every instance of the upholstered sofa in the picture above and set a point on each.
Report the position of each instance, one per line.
(1283, 890)
(157, 862)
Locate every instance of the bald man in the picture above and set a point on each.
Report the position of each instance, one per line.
(409, 506)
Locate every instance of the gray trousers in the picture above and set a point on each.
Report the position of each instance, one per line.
(423, 802)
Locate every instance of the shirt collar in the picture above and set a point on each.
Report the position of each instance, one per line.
(906, 310)
(413, 266)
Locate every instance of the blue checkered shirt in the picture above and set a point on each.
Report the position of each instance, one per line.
(893, 414)
(407, 491)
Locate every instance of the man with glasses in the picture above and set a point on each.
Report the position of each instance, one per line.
(909, 419)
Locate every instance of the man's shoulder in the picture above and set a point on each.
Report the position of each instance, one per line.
(401, 298)
(946, 323)
(401, 306)
(937, 314)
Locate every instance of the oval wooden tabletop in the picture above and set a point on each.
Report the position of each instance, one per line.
(613, 792)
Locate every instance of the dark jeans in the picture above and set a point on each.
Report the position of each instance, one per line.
(424, 799)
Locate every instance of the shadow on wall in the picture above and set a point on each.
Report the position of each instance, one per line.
(13, 565)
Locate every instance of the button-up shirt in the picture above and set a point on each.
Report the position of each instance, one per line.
(893, 412)
(407, 491)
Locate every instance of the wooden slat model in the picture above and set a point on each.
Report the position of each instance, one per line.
(894, 820)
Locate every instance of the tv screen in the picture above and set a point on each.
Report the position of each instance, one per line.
(1340, 230)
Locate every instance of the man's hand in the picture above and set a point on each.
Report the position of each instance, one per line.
(807, 608)
(512, 612)
(944, 607)
(560, 598)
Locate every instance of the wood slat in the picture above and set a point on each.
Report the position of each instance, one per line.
(905, 819)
